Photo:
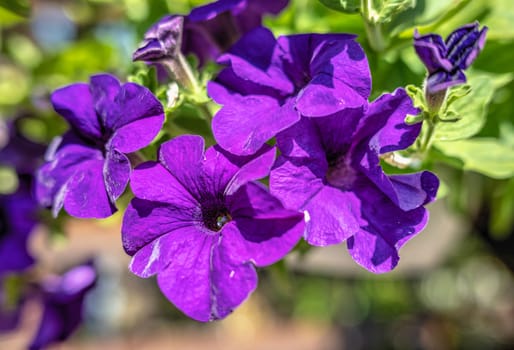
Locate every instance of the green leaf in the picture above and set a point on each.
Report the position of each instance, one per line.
(417, 96)
(18, 7)
(347, 6)
(487, 156)
(387, 9)
(467, 110)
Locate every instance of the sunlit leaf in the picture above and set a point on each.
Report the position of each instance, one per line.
(484, 155)
(468, 109)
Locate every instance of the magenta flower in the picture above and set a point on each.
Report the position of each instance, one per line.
(268, 84)
(63, 299)
(18, 218)
(447, 60)
(330, 168)
(88, 168)
(201, 224)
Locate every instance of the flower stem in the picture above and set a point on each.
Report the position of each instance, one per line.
(182, 73)
(372, 26)
(374, 34)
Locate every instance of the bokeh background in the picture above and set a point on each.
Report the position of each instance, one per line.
(453, 288)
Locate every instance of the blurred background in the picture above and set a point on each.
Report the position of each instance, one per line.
(453, 288)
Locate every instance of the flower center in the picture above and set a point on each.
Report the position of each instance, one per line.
(340, 173)
(215, 219)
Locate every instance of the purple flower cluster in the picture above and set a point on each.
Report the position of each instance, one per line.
(200, 221)
(447, 60)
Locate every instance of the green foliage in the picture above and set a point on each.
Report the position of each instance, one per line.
(21, 8)
(465, 111)
(484, 155)
(347, 6)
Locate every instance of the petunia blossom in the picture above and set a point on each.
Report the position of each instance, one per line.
(87, 169)
(63, 302)
(18, 218)
(447, 60)
(202, 224)
(207, 31)
(270, 83)
(330, 168)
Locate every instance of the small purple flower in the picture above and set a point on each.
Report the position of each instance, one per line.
(63, 299)
(162, 41)
(447, 60)
(330, 168)
(18, 217)
(268, 84)
(88, 168)
(202, 224)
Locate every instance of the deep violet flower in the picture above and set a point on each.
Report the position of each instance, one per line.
(201, 224)
(330, 169)
(63, 302)
(269, 83)
(88, 168)
(447, 60)
(211, 29)
(207, 31)
(18, 218)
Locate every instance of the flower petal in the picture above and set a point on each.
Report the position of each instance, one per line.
(332, 216)
(244, 126)
(385, 122)
(263, 231)
(85, 194)
(186, 279)
(145, 221)
(256, 58)
(75, 103)
(432, 51)
(137, 134)
(133, 102)
(151, 181)
(116, 173)
(440, 81)
(376, 245)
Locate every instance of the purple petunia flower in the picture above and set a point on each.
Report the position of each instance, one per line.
(202, 224)
(17, 220)
(88, 168)
(63, 299)
(211, 29)
(268, 84)
(207, 31)
(330, 168)
(446, 60)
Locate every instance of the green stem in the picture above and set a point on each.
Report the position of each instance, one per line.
(372, 26)
(374, 34)
(429, 135)
(182, 73)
